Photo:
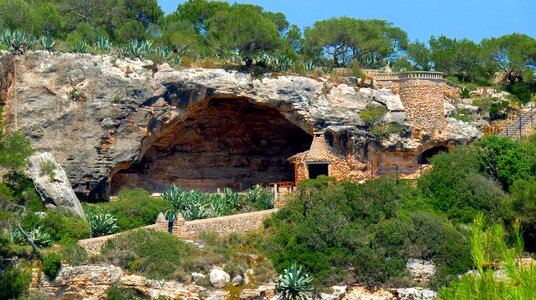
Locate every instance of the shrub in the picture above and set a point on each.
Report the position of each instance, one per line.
(51, 264)
(156, 255)
(294, 283)
(454, 186)
(65, 227)
(117, 292)
(344, 232)
(74, 254)
(373, 114)
(101, 224)
(134, 208)
(48, 168)
(523, 204)
(14, 280)
(504, 159)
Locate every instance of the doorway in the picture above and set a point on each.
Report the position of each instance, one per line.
(317, 169)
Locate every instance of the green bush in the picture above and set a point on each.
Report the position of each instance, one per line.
(523, 203)
(51, 264)
(117, 292)
(134, 208)
(74, 254)
(344, 232)
(65, 227)
(156, 255)
(454, 186)
(14, 280)
(505, 160)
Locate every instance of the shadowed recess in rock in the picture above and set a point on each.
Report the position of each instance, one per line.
(222, 143)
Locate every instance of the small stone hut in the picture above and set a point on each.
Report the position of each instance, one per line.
(319, 160)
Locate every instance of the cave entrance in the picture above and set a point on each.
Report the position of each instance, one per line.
(222, 143)
(317, 169)
(426, 155)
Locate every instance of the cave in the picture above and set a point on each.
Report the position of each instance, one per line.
(426, 155)
(222, 143)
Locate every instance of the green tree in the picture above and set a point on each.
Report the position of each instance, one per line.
(420, 55)
(243, 28)
(369, 42)
(14, 150)
(514, 55)
(460, 58)
(197, 12)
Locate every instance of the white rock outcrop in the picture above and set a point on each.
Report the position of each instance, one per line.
(52, 183)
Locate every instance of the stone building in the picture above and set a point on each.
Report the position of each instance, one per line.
(320, 159)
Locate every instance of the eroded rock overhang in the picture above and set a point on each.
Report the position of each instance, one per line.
(99, 115)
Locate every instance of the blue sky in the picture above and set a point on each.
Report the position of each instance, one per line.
(474, 19)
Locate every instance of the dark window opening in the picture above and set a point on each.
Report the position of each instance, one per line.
(316, 170)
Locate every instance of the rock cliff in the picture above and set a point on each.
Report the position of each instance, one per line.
(112, 123)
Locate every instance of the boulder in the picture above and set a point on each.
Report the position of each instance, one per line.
(52, 183)
(238, 280)
(415, 294)
(198, 277)
(421, 270)
(219, 278)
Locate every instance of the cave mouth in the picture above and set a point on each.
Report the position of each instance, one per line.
(223, 143)
(426, 155)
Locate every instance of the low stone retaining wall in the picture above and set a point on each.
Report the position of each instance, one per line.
(190, 229)
(228, 224)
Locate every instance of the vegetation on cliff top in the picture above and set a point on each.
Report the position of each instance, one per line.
(219, 34)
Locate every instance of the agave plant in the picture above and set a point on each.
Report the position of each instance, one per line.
(309, 65)
(231, 199)
(37, 235)
(18, 41)
(81, 47)
(47, 43)
(101, 224)
(137, 49)
(177, 197)
(195, 211)
(104, 45)
(465, 93)
(294, 283)
(165, 52)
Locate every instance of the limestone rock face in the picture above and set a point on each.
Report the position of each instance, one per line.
(52, 183)
(91, 282)
(109, 121)
(219, 278)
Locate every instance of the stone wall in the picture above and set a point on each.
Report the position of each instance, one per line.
(422, 100)
(188, 230)
(228, 224)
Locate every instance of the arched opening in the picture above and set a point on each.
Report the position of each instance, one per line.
(222, 143)
(426, 155)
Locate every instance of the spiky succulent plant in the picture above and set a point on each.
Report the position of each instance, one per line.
(294, 283)
(37, 235)
(101, 224)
